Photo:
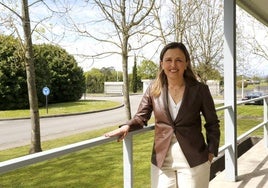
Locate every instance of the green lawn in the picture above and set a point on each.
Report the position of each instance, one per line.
(100, 166)
(63, 108)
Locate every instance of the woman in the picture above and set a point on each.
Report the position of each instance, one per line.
(181, 157)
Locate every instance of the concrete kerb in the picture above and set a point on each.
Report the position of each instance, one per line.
(80, 113)
(70, 114)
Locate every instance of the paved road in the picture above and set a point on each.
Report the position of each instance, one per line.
(15, 133)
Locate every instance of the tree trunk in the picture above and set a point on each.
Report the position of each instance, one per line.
(30, 72)
(125, 77)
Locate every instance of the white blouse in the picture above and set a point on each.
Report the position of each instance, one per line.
(173, 107)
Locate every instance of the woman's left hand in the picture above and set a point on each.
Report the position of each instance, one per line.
(210, 157)
(121, 132)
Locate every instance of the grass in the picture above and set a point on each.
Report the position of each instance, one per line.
(86, 168)
(63, 108)
(101, 166)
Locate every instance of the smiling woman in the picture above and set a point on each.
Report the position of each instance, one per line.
(83, 106)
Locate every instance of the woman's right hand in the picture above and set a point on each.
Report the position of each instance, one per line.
(121, 132)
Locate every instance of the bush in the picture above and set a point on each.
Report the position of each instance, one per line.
(54, 68)
(13, 85)
(60, 73)
(239, 84)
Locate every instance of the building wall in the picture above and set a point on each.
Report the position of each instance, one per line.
(113, 88)
(214, 87)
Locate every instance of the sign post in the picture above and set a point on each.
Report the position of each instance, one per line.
(46, 92)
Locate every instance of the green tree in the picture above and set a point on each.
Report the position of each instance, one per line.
(95, 78)
(147, 69)
(12, 21)
(54, 68)
(65, 78)
(206, 72)
(117, 76)
(108, 73)
(13, 85)
(42, 73)
(95, 81)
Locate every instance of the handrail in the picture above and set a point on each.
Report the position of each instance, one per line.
(224, 147)
(23, 161)
(19, 162)
(223, 107)
(241, 137)
(252, 130)
(252, 100)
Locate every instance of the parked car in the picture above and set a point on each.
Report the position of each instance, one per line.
(252, 95)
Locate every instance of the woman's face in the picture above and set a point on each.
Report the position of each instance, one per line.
(174, 63)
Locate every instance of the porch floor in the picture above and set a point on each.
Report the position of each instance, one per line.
(252, 170)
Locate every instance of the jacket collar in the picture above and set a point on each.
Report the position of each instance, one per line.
(189, 83)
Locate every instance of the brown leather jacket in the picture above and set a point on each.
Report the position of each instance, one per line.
(187, 126)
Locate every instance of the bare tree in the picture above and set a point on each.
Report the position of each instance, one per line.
(183, 18)
(124, 20)
(197, 24)
(252, 50)
(15, 24)
(242, 52)
(173, 27)
(30, 72)
(260, 48)
(205, 39)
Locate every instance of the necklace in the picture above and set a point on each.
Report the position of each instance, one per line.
(176, 92)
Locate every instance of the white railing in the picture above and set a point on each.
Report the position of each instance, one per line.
(244, 135)
(19, 162)
(231, 140)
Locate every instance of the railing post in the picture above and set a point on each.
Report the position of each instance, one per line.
(265, 119)
(128, 161)
(230, 119)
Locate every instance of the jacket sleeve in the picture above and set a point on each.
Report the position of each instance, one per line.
(211, 121)
(143, 113)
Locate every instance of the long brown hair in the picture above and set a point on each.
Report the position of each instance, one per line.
(161, 79)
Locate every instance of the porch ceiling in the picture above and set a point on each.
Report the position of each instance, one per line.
(257, 8)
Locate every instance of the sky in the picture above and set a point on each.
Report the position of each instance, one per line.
(84, 45)
(259, 66)
(78, 45)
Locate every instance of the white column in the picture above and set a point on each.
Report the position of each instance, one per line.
(128, 161)
(230, 119)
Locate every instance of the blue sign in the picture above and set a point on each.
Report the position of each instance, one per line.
(46, 91)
